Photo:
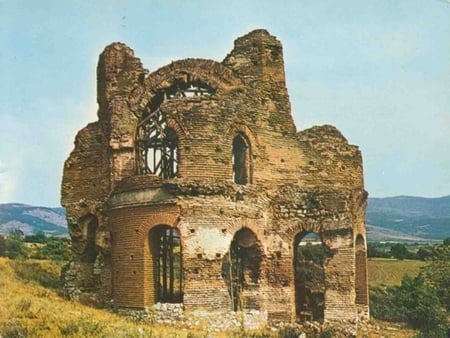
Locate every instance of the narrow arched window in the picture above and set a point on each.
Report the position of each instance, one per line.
(241, 159)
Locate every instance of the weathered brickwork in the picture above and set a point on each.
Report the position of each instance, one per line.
(194, 187)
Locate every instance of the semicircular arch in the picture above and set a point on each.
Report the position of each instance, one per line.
(212, 73)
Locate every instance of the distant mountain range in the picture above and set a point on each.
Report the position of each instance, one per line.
(402, 218)
(30, 219)
(427, 218)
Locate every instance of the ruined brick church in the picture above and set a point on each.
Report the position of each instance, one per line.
(194, 187)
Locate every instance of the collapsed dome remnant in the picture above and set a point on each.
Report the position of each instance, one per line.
(194, 187)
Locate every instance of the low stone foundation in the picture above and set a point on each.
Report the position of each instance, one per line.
(216, 321)
(219, 321)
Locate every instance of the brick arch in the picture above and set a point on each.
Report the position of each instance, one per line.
(235, 226)
(212, 73)
(181, 132)
(246, 131)
(169, 219)
(295, 228)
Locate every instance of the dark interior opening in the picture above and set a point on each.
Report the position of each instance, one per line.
(165, 246)
(241, 268)
(309, 254)
(240, 160)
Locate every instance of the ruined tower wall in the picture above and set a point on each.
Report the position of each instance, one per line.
(85, 183)
(119, 72)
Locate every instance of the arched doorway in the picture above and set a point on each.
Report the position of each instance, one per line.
(361, 271)
(309, 254)
(241, 269)
(165, 248)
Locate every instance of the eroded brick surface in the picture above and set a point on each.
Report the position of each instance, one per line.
(282, 185)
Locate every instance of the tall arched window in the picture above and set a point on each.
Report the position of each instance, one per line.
(241, 160)
(157, 147)
(165, 246)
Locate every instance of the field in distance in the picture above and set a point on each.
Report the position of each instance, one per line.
(390, 271)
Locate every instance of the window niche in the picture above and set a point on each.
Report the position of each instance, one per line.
(241, 160)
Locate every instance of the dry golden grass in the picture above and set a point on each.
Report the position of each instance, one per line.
(27, 309)
(391, 271)
(377, 329)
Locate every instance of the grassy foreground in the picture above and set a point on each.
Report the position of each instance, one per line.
(30, 306)
(27, 309)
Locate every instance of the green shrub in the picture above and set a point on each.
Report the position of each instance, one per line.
(412, 302)
(56, 249)
(83, 327)
(15, 248)
(38, 237)
(289, 332)
(69, 329)
(14, 329)
(2, 246)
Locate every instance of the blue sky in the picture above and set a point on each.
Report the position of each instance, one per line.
(379, 70)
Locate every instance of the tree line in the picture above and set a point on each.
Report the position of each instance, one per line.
(16, 245)
(402, 251)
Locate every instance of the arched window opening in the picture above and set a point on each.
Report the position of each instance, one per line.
(186, 86)
(87, 227)
(165, 247)
(157, 144)
(157, 147)
(309, 254)
(241, 160)
(241, 269)
(361, 271)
